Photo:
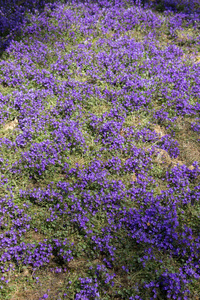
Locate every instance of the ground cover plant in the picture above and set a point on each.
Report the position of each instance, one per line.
(99, 150)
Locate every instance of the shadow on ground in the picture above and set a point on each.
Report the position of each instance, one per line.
(13, 15)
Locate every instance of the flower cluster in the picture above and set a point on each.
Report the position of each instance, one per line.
(92, 97)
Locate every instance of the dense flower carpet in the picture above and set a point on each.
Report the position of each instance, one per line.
(99, 150)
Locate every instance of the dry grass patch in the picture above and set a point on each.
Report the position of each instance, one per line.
(11, 125)
(188, 141)
(27, 289)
